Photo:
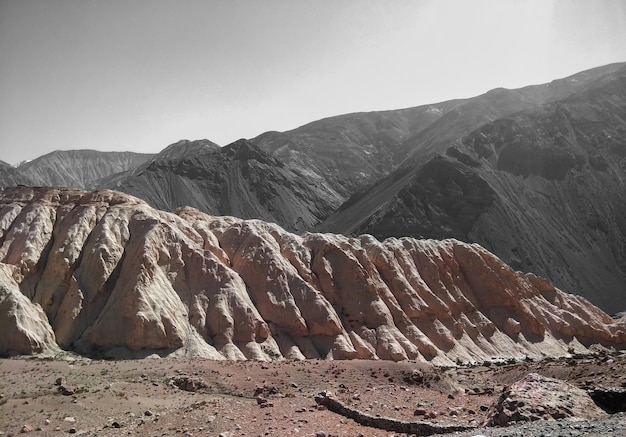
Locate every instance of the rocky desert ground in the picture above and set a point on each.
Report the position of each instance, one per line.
(193, 397)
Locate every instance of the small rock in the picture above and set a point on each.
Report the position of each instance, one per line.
(70, 419)
(147, 413)
(26, 428)
(116, 425)
(66, 391)
(320, 434)
(72, 431)
(419, 412)
(59, 381)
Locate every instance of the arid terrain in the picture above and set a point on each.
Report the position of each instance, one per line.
(159, 397)
(448, 268)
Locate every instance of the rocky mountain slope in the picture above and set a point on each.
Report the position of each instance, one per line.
(524, 172)
(11, 177)
(79, 168)
(543, 188)
(179, 150)
(239, 179)
(104, 273)
(353, 151)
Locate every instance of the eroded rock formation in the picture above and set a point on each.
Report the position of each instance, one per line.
(113, 275)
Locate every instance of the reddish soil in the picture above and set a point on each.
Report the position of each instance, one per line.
(141, 397)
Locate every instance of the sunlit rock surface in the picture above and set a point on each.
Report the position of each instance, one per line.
(104, 273)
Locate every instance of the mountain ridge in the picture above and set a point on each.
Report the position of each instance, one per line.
(382, 172)
(560, 160)
(79, 168)
(104, 274)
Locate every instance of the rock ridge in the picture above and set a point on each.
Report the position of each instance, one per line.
(103, 273)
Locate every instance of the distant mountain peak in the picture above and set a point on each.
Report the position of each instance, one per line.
(244, 150)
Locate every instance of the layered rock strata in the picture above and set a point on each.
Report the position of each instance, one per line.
(104, 273)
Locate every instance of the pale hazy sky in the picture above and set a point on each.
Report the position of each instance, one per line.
(141, 74)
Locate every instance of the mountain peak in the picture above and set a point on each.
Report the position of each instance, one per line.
(244, 150)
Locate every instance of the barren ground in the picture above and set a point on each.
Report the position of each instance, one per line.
(139, 397)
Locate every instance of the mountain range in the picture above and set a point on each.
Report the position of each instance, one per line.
(535, 175)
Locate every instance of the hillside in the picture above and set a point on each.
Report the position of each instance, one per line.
(11, 176)
(239, 180)
(353, 150)
(104, 274)
(79, 168)
(542, 188)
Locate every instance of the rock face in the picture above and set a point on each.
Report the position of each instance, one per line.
(24, 326)
(239, 179)
(544, 189)
(79, 168)
(537, 397)
(115, 276)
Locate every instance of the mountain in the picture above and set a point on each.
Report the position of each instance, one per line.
(532, 174)
(11, 176)
(543, 188)
(104, 274)
(178, 150)
(472, 113)
(239, 179)
(353, 150)
(79, 168)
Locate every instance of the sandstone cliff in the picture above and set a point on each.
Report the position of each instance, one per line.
(104, 273)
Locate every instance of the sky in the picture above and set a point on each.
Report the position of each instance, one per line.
(139, 75)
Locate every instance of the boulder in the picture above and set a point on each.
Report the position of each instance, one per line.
(537, 397)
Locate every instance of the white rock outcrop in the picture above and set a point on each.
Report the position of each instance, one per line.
(103, 272)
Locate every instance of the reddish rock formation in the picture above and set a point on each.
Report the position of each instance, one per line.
(537, 397)
(115, 276)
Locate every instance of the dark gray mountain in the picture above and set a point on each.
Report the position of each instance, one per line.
(543, 188)
(353, 150)
(178, 150)
(239, 179)
(11, 176)
(79, 168)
